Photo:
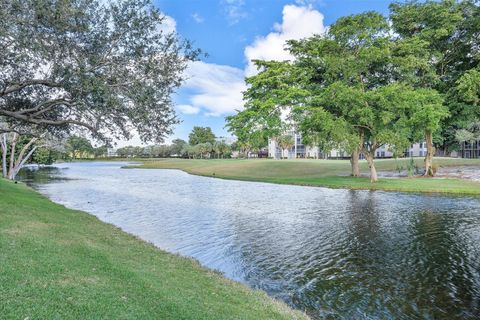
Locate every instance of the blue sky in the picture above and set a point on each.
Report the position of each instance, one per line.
(232, 32)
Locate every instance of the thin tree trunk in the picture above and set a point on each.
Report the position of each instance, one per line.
(12, 155)
(3, 143)
(17, 168)
(21, 159)
(373, 171)
(429, 156)
(22, 152)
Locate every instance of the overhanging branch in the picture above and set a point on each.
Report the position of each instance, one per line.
(13, 87)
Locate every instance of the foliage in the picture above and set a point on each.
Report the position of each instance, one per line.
(285, 142)
(448, 32)
(108, 66)
(177, 146)
(201, 135)
(79, 147)
(18, 150)
(469, 134)
(101, 151)
(45, 156)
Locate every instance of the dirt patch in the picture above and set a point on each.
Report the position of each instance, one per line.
(460, 172)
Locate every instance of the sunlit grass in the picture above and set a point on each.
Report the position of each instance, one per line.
(57, 263)
(327, 173)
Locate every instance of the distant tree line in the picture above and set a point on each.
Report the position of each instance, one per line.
(202, 144)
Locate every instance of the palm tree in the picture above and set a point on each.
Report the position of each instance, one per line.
(285, 142)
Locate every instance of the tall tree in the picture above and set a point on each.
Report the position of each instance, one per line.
(268, 105)
(449, 32)
(177, 146)
(201, 135)
(351, 76)
(79, 147)
(108, 66)
(285, 142)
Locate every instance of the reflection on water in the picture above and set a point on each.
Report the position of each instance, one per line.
(334, 253)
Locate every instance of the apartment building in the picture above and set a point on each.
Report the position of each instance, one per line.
(470, 150)
(299, 150)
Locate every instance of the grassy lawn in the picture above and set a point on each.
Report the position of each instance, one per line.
(57, 263)
(327, 173)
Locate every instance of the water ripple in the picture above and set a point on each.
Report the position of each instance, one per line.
(335, 253)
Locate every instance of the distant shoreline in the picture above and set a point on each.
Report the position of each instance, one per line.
(320, 173)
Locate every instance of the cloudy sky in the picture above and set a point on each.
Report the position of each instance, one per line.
(232, 33)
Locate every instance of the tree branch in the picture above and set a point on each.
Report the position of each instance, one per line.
(21, 85)
(39, 121)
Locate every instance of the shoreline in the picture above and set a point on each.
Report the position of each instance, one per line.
(90, 267)
(442, 185)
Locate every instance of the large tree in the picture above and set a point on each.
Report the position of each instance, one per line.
(350, 88)
(177, 146)
(268, 105)
(349, 71)
(449, 31)
(201, 135)
(79, 147)
(106, 66)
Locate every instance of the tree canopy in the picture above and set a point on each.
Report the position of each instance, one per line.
(356, 87)
(201, 135)
(109, 67)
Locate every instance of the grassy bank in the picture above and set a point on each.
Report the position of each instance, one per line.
(326, 173)
(57, 263)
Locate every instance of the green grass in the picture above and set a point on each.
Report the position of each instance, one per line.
(57, 263)
(326, 173)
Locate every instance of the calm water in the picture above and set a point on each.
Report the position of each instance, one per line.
(334, 253)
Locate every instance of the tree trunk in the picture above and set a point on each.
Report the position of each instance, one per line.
(3, 143)
(19, 166)
(429, 156)
(16, 165)
(22, 159)
(354, 161)
(373, 171)
(12, 155)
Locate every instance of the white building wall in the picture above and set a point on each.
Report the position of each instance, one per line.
(415, 150)
(111, 152)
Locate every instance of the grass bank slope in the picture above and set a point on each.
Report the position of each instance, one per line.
(326, 173)
(57, 263)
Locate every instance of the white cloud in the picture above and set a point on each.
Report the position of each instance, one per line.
(188, 109)
(298, 22)
(217, 88)
(169, 24)
(198, 18)
(235, 11)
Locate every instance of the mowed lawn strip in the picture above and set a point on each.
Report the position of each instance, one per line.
(326, 173)
(57, 263)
